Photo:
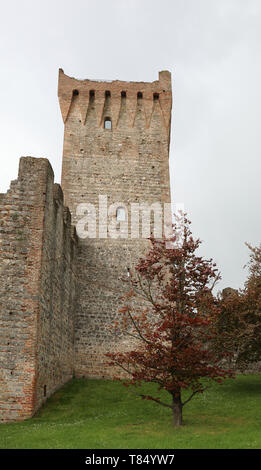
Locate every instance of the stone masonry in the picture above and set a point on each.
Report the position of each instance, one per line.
(37, 290)
(60, 292)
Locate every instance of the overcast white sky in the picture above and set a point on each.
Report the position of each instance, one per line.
(213, 50)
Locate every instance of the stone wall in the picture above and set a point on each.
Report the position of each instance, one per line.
(128, 163)
(37, 290)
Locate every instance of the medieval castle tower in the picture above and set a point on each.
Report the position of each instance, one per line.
(60, 290)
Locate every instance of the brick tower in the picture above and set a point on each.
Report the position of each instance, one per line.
(116, 153)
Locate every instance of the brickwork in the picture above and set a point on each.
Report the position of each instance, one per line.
(37, 290)
(128, 164)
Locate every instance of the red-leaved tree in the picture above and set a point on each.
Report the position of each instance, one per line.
(169, 316)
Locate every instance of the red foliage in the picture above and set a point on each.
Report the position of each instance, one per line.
(170, 314)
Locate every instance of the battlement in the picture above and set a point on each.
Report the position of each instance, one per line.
(111, 100)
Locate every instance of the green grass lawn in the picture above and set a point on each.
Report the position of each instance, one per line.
(96, 414)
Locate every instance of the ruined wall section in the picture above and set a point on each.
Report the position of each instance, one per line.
(32, 342)
(55, 344)
(128, 163)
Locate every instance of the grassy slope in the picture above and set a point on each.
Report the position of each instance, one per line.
(92, 414)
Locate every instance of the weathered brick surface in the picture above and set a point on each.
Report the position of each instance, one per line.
(37, 252)
(128, 164)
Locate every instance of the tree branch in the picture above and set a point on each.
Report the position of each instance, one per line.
(138, 330)
(156, 400)
(193, 394)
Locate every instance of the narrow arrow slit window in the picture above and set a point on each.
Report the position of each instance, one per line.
(107, 123)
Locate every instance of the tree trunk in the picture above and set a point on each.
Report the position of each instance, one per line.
(177, 411)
